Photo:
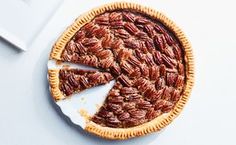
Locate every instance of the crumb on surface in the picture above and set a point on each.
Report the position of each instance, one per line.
(84, 114)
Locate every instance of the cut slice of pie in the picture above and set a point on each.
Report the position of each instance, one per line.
(146, 53)
(67, 81)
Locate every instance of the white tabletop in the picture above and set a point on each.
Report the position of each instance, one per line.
(29, 117)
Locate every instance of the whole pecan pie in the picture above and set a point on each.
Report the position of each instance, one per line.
(146, 54)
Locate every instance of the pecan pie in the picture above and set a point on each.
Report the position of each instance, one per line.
(146, 54)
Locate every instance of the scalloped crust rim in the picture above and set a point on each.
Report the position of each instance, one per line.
(157, 123)
(53, 77)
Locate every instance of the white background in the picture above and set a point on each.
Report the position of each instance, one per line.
(29, 117)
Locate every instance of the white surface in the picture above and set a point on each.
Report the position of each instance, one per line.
(21, 20)
(29, 117)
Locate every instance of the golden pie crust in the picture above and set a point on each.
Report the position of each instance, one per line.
(53, 77)
(153, 125)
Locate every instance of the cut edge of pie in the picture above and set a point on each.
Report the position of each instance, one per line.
(148, 127)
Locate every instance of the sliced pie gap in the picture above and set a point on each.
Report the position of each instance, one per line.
(87, 101)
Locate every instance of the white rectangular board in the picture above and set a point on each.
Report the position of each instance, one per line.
(22, 20)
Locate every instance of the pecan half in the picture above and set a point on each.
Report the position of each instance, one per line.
(100, 32)
(151, 114)
(128, 16)
(136, 73)
(98, 119)
(129, 106)
(95, 78)
(72, 81)
(160, 83)
(139, 55)
(112, 121)
(150, 91)
(141, 20)
(142, 35)
(157, 57)
(80, 35)
(126, 67)
(71, 47)
(124, 116)
(106, 63)
(167, 93)
(136, 113)
(149, 29)
(134, 61)
(149, 60)
(171, 79)
(160, 45)
(168, 61)
(175, 96)
(124, 54)
(89, 42)
(122, 34)
(133, 97)
(90, 31)
(131, 28)
(102, 20)
(118, 99)
(104, 54)
(114, 16)
(63, 74)
(116, 44)
(67, 89)
(144, 105)
(169, 39)
(130, 43)
(128, 90)
(168, 51)
(177, 52)
(159, 29)
(154, 72)
(150, 45)
(81, 50)
(84, 82)
(115, 69)
(104, 113)
(106, 41)
(125, 80)
(181, 68)
(179, 81)
(141, 82)
(164, 106)
(93, 49)
(88, 60)
(113, 107)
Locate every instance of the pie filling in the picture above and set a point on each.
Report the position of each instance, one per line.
(141, 54)
(76, 80)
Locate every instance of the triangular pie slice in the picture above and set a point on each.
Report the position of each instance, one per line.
(65, 82)
(149, 58)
